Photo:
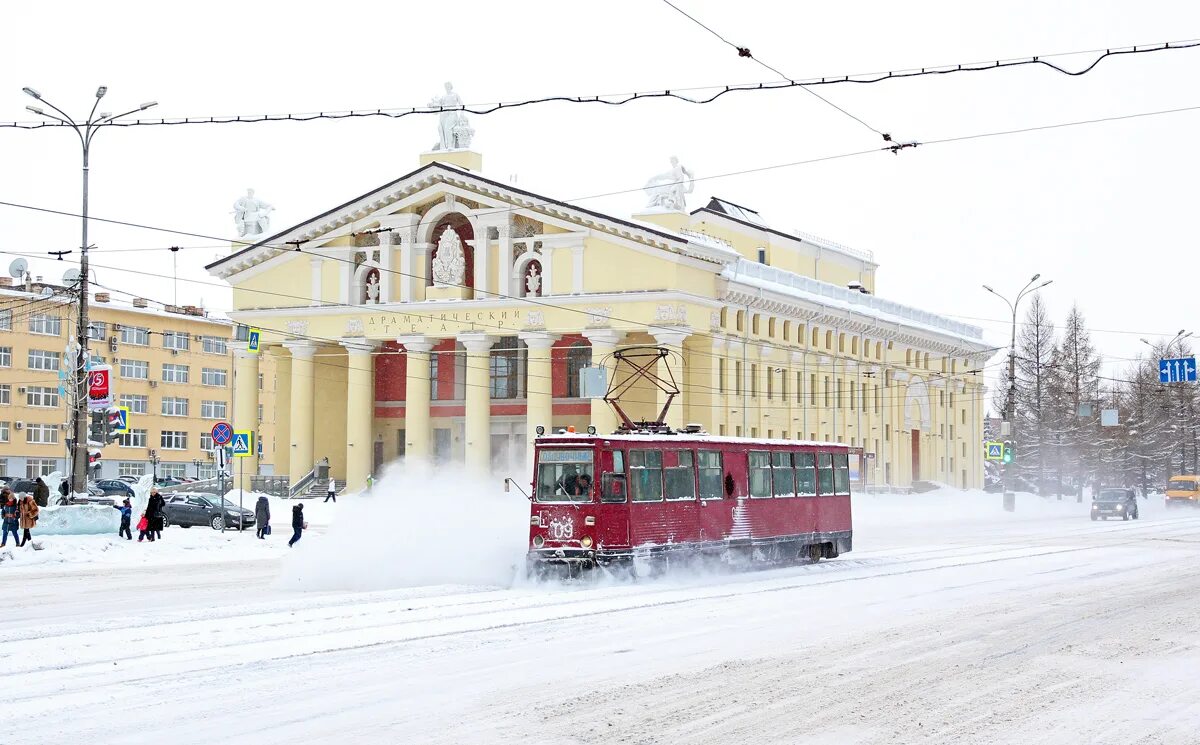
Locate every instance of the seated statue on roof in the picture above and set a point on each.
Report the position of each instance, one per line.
(669, 189)
(251, 215)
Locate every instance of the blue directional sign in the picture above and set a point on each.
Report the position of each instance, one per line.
(1177, 370)
(243, 443)
(222, 433)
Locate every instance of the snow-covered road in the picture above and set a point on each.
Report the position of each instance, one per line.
(944, 625)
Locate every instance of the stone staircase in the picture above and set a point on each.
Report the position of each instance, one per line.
(920, 487)
(318, 489)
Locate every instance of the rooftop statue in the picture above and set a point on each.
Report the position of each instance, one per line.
(669, 189)
(454, 132)
(250, 214)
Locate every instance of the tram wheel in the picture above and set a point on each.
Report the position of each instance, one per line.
(814, 553)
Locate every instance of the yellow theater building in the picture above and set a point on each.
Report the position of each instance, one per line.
(445, 316)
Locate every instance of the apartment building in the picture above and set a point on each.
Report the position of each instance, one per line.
(171, 366)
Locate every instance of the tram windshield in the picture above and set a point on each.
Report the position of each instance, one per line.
(564, 476)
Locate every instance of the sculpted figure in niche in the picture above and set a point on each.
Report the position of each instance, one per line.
(449, 263)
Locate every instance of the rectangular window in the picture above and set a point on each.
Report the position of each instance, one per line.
(35, 467)
(40, 359)
(6, 394)
(841, 473)
(721, 375)
(887, 433)
(260, 412)
(760, 473)
(564, 476)
(711, 474)
(135, 403)
(753, 381)
(4, 431)
(135, 369)
(41, 434)
(6, 319)
(737, 377)
(176, 340)
(964, 416)
(260, 381)
(213, 409)
(41, 396)
(174, 406)
(782, 476)
(806, 474)
(131, 468)
(825, 473)
(434, 358)
(176, 470)
(43, 323)
(799, 387)
(505, 369)
(213, 376)
(645, 474)
(175, 373)
(839, 392)
(876, 399)
(97, 330)
(681, 478)
(135, 335)
(213, 345)
(5, 356)
(134, 438)
(828, 393)
(206, 441)
(853, 398)
(613, 488)
(770, 383)
(173, 440)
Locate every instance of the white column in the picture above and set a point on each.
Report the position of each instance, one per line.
(301, 435)
(386, 243)
(504, 251)
(245, 406)
(672, 339)
(416, 279)
(315, 263)
(478, 400)
(480, 246)
(360, 411)
(577, 286)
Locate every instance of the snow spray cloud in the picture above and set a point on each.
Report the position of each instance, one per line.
(416, 527)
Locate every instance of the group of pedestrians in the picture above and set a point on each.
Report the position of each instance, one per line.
(262, 518)
(17, 514)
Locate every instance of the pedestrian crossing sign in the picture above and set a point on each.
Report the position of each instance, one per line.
(243, 443)
(121, 421)
(995, 451)
(252, 340)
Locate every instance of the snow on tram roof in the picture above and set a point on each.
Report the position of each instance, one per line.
(687, 436)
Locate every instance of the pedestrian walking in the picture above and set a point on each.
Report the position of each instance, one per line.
(10, 515)
(29, 518)
(126, 510)
(64, 489)
(331, 491)
(262, 516)
(298, 524)
(155, 514)
(144, 529)
(41, 493)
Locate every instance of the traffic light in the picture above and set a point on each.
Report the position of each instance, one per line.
(97, 431)
(1008, 452)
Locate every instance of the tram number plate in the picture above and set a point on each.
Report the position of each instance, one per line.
(561, 528)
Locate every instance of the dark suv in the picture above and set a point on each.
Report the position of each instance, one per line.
(1120, 503)
(186, 509)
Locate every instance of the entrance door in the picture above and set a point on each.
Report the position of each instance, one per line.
(377, 460)
(441, 445)
(916, 455)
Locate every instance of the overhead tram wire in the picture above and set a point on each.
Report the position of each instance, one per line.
(621, 99)
(745, 52)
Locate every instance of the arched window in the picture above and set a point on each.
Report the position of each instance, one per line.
(878, 350)
(787, 330)
(741, 320)
(815, 336)
(771, 327)
(908, 357)
(854, 346)
(829, 340)
(531, 283)
(842, 343)
(754, 323)
(579, 356)
(724, 318)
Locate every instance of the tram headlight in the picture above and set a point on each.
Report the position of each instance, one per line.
(586, 541)
(538, 541)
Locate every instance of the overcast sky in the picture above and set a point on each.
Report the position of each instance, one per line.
(1107, 210)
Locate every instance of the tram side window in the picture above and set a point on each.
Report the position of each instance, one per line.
(645, 475)
(760, 473)
(841, 473)
(613, 484)
(781, 474)
(681, 478)
(806, 474)
(564, 476)
(710, 473)
(825, 472)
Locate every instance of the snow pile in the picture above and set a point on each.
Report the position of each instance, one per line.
(82, 519)
(414, 528)
(176, 547)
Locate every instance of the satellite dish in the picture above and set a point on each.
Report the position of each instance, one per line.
(71, 276)
(18, 268)
(47, 291)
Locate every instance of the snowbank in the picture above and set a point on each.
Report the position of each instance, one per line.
(412, 529)
(83, 519)
(177, 546)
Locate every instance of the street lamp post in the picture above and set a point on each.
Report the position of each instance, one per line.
(1010, 403)
(86, 130)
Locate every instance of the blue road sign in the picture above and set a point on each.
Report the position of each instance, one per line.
(252, 340)
(1177, 370)
(243, 443)
(121, 421)
(222, 433)
(995, 451)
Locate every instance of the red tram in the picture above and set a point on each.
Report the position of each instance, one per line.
(604, 499)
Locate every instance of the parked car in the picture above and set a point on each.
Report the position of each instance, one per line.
(115, 487)
(186, 509)
(129, 479)
(1115, 503)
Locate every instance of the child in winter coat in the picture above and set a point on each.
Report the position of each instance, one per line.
(143, 528)
(126, 511)
(10, 515)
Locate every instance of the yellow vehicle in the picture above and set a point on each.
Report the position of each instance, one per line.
(1183, 490)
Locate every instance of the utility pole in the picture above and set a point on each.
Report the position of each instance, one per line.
(1010, 404)
(86, 130)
